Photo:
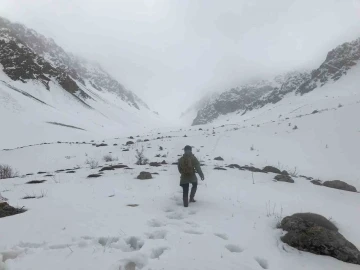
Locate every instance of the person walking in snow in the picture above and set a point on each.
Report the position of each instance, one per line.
(188, 166)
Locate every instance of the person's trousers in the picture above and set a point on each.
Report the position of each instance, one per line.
(186, 192)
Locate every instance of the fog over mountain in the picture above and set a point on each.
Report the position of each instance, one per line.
(166, 51)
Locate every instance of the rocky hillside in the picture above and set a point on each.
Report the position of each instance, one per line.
(249, 96)
(253, 96)
(27, 55)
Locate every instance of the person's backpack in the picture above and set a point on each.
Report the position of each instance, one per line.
(186, 165)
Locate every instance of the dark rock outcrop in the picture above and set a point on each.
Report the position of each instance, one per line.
(284, 178)
(144, 176)
(154, 164)
(271, 169)
(316, 234)
(94, 175)
(336, 65)
(28, 55)
(337, 184)
(316, 182)
(248, 97)
(7, 210)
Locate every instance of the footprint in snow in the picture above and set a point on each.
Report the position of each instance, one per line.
(192, 212)
(193, 232)
(222, 236)
(178, 200)
(137, 261)
(31, 245)
(175, 215)
(129, 244)
(59, 246)
(192, 224)
(234, 248)
(161, 234)
(135, 243)
(155, 223)
(262, 262)
(157, 252)
(169, 209)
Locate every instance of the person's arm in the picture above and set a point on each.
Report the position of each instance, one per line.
(179, 166)
(198, 168)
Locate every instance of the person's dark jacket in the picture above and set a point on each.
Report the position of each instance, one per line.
(191, 178)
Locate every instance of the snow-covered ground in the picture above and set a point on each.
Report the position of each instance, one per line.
(85, 223)
(27, 108)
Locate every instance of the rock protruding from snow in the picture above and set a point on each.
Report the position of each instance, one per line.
(272, 169)
(316, 234)
(144, 176)
(7, 210)
(316, 182)
(339, 185)
(284, 178)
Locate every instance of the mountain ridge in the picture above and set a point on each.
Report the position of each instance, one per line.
(34, 56)
(336, 65)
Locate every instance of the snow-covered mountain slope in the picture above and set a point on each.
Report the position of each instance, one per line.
(41, 83)
(248, 97)
(86, 223)
(338, 63)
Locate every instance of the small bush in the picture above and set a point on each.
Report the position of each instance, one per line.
(109, 158)
(92, 163)
(140, 157)
(293, 172)
(7, 171)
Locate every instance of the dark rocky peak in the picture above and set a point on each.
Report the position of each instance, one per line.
(232, 100)
(36, 57)
(337, 63)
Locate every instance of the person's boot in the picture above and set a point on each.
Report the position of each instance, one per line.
(186, 201)
(192, 193)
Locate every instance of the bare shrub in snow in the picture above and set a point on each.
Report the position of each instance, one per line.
(34, 196)
(252, 148)
(7, 171)
(293, 172)
(108, 158)
(272, 211)
(92, 163)
(140, 157)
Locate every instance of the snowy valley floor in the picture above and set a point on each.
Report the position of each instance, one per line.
(86, 223)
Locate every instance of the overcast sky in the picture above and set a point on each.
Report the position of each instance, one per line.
(170, 52)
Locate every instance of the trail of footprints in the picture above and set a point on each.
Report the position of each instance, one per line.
(173, 215)
(132, 244)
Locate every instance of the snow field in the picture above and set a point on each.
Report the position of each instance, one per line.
(84, 223)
